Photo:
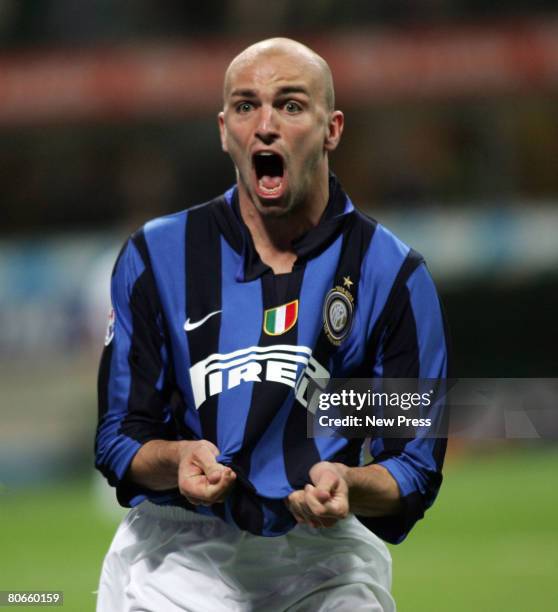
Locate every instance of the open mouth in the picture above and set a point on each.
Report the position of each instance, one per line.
(269, 173)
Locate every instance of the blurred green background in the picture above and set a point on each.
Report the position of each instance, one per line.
(107, 119)
(489, 543)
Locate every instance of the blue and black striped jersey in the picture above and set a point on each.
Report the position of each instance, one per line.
(208, 343)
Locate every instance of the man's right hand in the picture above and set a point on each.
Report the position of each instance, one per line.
(188, 464)
(201, 479)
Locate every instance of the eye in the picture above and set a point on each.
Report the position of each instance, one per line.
(244, 107)
(292, 107)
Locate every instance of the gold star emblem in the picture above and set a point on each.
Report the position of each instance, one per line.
(347, 282)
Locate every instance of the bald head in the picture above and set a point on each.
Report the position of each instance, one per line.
(292, 50)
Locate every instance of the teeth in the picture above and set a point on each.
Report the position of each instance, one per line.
(265, 153)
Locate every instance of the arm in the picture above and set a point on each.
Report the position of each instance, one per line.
(133, 384)
(134, 445)
(337, 490)
(415, 345)
(372, 490)
(391, 494)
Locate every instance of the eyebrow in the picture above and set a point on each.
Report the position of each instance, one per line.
(287, 89)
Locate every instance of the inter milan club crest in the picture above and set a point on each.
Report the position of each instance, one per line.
(279, 320)
(338, 312)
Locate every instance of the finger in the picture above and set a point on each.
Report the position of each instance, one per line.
(207, 444)
(215, 492)
(193, 488)
(223, 482)
(313, 501)
(187, 471)
(320, 495)
(309, 517)
(220, 475)
(293, 504)
(220, 496)
(188, 475)
(292, 501)
(204, 458)
(300, 510)
(325, 514)
(327, 481)
(199, 488)
(336, 508)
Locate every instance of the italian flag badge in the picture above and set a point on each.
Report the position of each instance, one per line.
(279, 320)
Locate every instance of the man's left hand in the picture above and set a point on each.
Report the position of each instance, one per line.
(326, 500)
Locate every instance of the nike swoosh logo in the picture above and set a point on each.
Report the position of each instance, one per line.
(191, 326)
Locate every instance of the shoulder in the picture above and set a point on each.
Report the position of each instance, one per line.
(387, 256)
(165, 227)
(166, 235)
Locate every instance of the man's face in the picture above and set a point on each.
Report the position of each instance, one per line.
(277, 130)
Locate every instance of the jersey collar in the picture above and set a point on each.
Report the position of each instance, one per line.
(310, 244)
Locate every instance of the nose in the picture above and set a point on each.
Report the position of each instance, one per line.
(267, 129)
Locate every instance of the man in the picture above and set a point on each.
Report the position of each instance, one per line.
(223, 314)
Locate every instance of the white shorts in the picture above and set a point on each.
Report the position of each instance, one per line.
(165, 559)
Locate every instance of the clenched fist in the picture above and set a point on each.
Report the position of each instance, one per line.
(326, 500)
(201, 479)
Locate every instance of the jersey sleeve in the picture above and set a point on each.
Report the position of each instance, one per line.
(414, 345)
(132, 383)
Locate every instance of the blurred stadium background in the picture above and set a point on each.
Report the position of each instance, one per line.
(107, 118)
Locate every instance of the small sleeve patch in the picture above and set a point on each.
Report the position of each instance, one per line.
(110, 327)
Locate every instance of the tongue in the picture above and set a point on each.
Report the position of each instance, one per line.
(270, 182)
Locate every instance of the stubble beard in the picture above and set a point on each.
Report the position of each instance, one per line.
(292, 201)
(275, 209)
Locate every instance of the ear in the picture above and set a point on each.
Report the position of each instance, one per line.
(334, 130)
(222, 131)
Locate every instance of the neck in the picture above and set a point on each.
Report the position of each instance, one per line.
(273, 235)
